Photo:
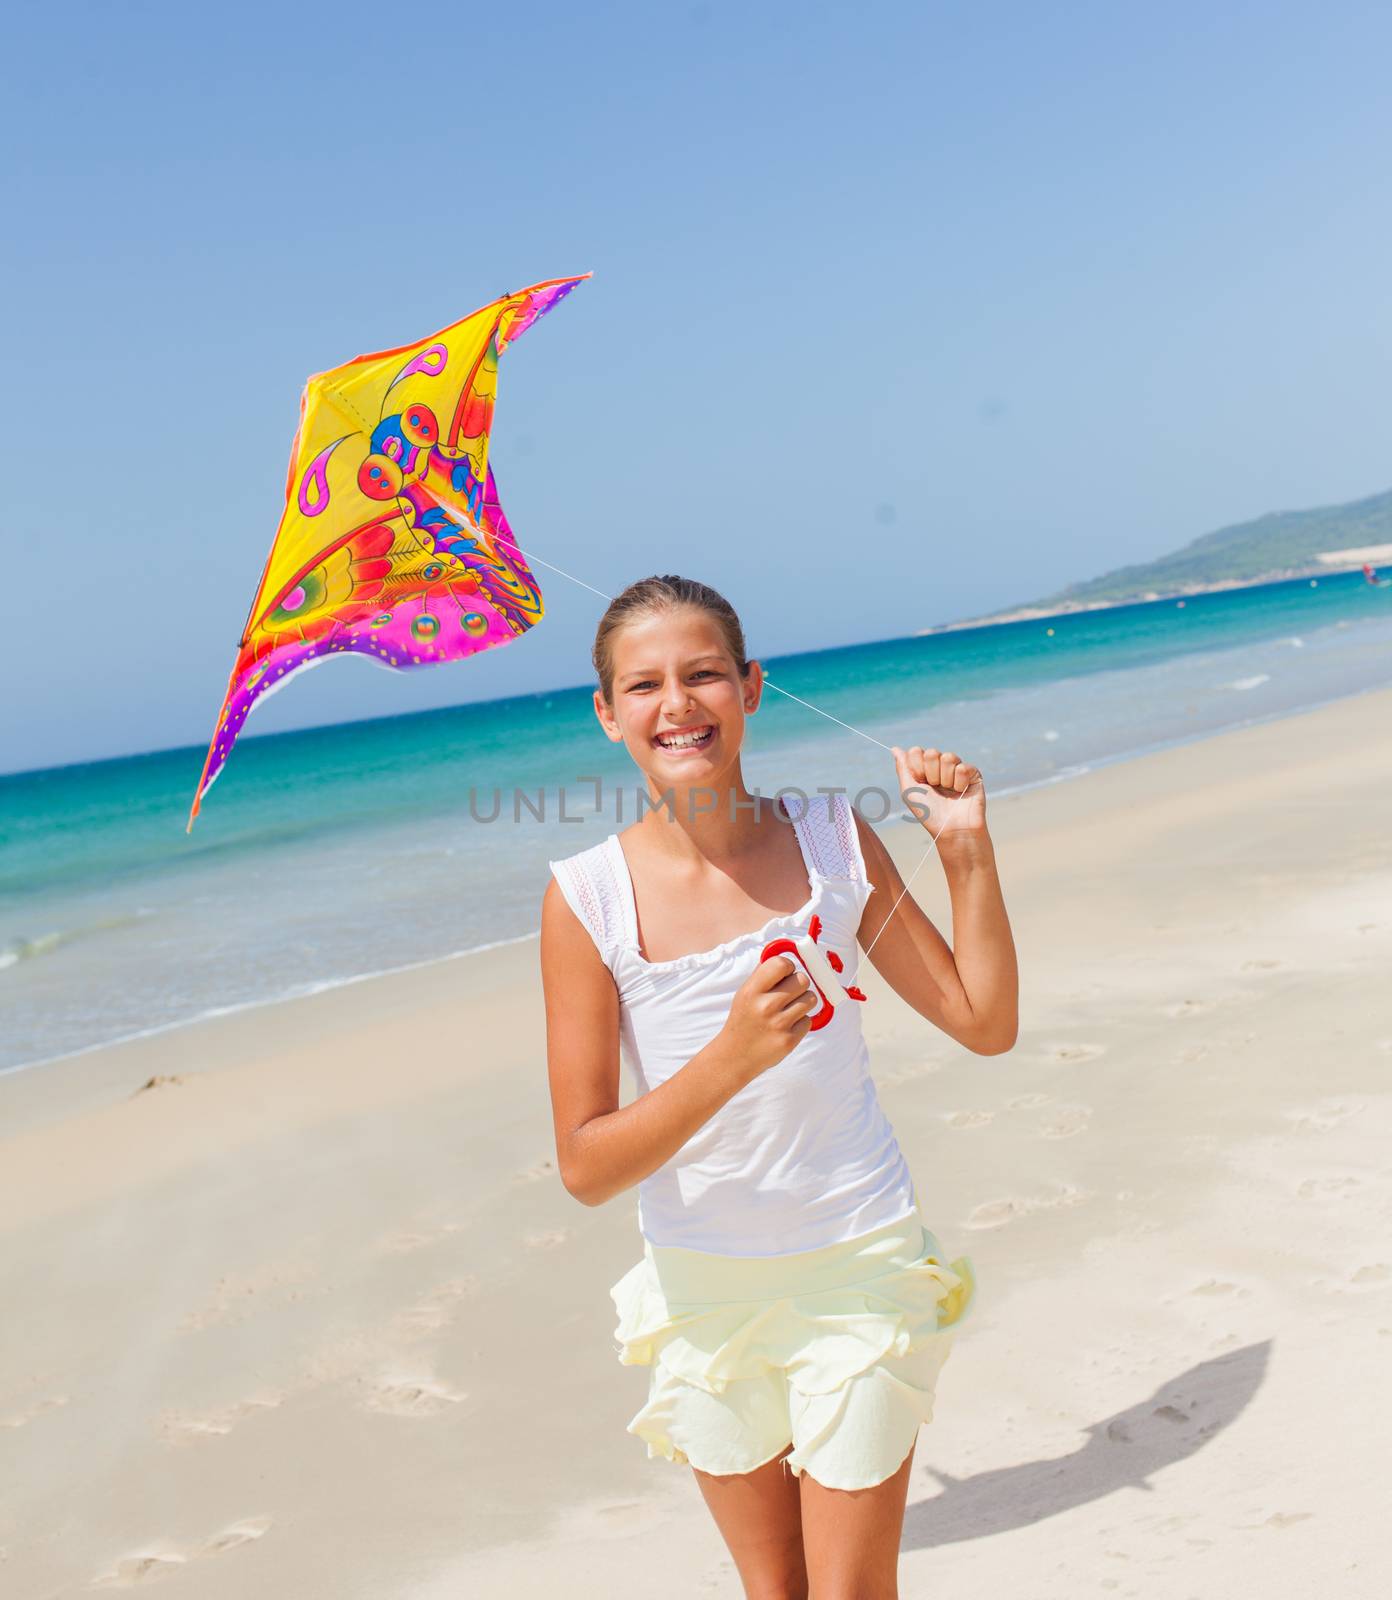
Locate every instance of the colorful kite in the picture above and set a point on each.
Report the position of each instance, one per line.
(393, 544)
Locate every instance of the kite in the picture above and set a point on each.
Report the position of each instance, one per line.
(392, 545)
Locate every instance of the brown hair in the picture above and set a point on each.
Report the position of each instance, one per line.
(652, 596)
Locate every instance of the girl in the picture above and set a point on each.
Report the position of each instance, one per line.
(791, 1303)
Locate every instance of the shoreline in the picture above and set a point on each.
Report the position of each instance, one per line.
(333, 985)
(1150, 597)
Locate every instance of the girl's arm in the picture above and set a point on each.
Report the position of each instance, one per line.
(969, 989)
(602, 1150)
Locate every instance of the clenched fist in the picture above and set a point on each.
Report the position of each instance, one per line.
(770, 1014)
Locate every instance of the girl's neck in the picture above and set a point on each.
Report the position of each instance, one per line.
(719, 822)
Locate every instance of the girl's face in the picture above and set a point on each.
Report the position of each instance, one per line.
(679, 702)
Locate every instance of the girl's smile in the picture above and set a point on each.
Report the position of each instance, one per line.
(685, 741)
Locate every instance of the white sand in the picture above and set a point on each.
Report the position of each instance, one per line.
(318, 1319)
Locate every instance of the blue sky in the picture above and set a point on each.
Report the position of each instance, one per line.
(900, 313)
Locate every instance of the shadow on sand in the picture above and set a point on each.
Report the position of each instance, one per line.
(1121, 1452)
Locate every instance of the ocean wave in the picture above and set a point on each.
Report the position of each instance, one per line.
(21, 948)
(1249, 683)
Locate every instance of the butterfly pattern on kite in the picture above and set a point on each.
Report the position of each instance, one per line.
(393, 544)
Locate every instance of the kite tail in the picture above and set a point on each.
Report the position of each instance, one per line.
(205, 782)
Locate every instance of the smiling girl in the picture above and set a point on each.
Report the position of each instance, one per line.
(791, 1303)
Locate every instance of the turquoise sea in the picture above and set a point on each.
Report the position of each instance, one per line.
(324, 856)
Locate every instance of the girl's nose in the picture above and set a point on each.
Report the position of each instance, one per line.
(676, 699)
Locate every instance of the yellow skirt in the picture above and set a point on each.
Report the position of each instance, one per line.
(835, 1351)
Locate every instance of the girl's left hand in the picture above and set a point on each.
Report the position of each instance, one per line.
(944, 793)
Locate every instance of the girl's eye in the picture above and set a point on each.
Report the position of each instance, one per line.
(701, 672)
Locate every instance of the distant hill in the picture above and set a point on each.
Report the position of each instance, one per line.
(1282, 544)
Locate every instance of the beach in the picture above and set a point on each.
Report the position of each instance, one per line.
(298, 1305)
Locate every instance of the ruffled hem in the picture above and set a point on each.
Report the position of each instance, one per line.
(820, 1340)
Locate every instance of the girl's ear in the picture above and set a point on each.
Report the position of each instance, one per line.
(606, 718)
(753, 686)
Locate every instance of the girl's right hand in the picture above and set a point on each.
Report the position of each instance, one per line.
(770, 1014)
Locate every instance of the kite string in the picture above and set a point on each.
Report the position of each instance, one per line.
(769, 681)
(561, 570)
(850, 727)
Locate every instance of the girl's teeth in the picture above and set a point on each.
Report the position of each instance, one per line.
(684, 742)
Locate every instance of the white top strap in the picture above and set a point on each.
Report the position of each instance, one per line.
(829, 827)
(593, 893)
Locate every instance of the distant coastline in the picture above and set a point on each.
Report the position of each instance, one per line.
(1328, 564)
(1273, 548)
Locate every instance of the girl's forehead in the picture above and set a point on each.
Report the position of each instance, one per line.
(682, 632)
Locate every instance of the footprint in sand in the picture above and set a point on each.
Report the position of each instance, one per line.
(140, 1568)
(1188, 1008)
(437, 1309)
(239, 1533)
(1278, 1519)
(1372, 1276)
(550, 1239)
(1066, 1122)
(403, 1243)
(1260, 964)
(1318, 1119)
(1075, 1052)
(21, 1419)
(996, 1213)
(968, 1119)
(181, 1429)
(130, 1570)
(1191, 1054)
(1209, 1288)
(1027, 1102)
(1313, 1186)
(412, 1397)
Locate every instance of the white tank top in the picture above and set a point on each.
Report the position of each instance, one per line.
(803, 1156)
